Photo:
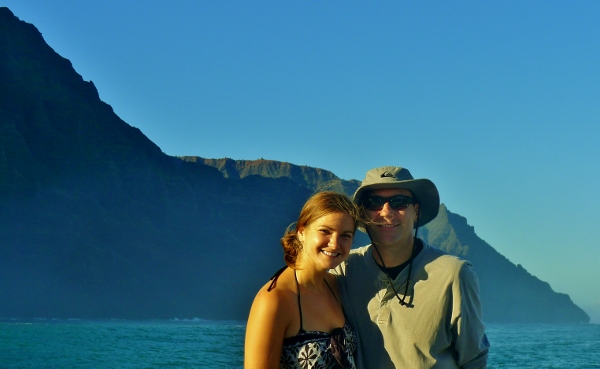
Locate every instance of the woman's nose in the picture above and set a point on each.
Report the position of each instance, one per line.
(333, 240)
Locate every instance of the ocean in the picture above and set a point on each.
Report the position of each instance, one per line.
(220, 344)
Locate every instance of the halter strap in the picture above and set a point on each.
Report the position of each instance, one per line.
(298, 294)
(333, 293)
(273, 279)
(299, 304)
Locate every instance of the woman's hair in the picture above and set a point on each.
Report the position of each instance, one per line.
(319, 205)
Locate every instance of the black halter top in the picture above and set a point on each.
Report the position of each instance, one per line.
(316, 349)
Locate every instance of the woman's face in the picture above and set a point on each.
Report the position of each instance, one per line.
(326, 241)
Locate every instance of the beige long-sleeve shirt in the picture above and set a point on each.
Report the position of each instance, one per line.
(441, 328)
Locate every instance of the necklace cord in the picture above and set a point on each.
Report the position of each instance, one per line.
(412, 254)
(400, 300)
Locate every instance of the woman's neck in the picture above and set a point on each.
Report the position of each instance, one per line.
(311, 279)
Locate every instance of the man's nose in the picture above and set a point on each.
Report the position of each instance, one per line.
(385, 209)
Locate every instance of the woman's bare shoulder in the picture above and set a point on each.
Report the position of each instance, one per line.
(278, 294)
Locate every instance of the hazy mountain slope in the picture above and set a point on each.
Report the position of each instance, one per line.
(508, 292)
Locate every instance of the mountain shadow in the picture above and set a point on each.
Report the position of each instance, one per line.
(97, 222)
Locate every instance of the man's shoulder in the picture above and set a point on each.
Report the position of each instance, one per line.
(359, 251)
(443, 258)
(355, 260)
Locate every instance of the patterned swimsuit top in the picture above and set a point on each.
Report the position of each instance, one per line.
(315, 349)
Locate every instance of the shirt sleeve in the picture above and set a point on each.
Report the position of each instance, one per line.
(470, 340)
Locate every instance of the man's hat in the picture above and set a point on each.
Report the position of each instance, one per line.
(422, 189)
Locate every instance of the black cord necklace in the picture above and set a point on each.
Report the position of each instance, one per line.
(401, 300)
(410, 262)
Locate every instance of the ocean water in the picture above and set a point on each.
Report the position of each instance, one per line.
(220, 344)
(121, 344)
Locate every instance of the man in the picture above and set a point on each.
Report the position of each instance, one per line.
(413, 305)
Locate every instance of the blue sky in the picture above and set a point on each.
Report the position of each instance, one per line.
(497, 102)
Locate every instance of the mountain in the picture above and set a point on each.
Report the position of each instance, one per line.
(501, 281)
(97, 222)
(314, 178)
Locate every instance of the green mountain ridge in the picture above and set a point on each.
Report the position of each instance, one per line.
(316, 179)
(97, 222)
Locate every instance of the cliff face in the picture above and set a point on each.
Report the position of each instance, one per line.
(314, 178)
(97, 222)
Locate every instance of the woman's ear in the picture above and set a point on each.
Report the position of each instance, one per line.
(300, 235)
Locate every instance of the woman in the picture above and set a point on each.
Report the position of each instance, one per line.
(296, 320)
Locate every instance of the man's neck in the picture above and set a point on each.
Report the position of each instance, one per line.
(394, 255)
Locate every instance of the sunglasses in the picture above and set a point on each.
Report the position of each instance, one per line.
(397, 202)
(337, 345)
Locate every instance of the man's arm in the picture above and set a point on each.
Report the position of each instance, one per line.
(471, 342)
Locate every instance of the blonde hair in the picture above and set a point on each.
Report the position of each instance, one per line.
(317, 206)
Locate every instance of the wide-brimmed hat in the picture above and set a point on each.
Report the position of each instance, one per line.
(422, 189)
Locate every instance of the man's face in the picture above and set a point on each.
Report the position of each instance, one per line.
(389, 227)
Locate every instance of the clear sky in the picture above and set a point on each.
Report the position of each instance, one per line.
(497, 102)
